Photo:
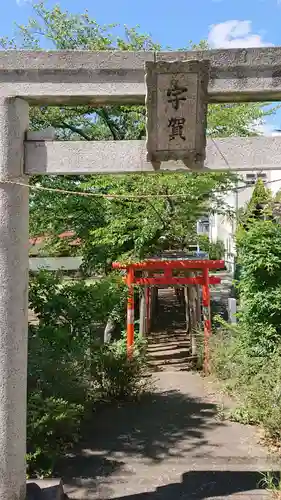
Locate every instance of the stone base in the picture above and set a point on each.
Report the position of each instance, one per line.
(45, 489)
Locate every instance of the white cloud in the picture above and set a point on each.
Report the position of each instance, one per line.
(21, 3)
(234, 34)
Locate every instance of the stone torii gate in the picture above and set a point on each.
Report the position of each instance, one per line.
(93, 78)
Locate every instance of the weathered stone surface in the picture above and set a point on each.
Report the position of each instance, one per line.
(13, 299)
(45, 489)
(113, 77)
(117, 157)
(176, 103)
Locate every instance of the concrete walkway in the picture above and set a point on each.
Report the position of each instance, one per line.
(170, 445)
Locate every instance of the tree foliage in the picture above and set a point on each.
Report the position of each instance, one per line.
(68, 370)
(259, 206)
(258, 243)
(261, 194)
(118, 229)
(259, 253)
(247, 356)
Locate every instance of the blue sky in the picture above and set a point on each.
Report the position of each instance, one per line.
(224, 23)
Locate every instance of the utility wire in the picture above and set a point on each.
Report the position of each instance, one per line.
(95, 195)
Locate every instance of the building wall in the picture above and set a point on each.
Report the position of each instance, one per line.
(223, 229)
(55, 263)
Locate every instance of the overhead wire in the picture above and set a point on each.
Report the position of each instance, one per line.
(95, 195)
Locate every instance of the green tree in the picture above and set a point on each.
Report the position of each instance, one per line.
(259, 205)
(123, 228)
(261, 194)
(259, 253)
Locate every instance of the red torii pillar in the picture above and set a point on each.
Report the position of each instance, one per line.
(130, 311)
(206, 303)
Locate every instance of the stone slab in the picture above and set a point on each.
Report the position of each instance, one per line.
(176, 103)
(113, 157)
(74, 77)
(45, 489)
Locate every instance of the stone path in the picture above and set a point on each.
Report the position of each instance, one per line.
(170, 445)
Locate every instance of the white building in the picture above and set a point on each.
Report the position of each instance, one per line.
(222, 228)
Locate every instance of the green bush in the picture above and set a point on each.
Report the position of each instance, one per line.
(216, 250)
(75, 308)
(248, 357)
(114, 375)
(254, 381)
(69, 369)
(53, 426)
(259, 254)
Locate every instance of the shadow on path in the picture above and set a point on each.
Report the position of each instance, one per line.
(169, 438)
(160, 426)
(208, 484)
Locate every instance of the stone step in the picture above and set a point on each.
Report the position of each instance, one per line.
(45, 489)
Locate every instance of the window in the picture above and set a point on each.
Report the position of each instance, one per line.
(203, 225)
(251, 179)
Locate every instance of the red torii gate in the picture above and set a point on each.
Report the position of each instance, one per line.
(167, 278)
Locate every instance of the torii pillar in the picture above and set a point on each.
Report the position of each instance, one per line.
(13, 299)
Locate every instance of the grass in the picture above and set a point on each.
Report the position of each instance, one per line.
(272, 484)
(253, 381)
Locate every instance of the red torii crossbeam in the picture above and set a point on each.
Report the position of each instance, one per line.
(166, 278)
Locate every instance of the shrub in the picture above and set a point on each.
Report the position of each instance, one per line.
(69, 370)
(53, 425)
(259, 255)
(115, 376)
(216, 250)
(76, 308)
(254, 381)
(248, 357)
